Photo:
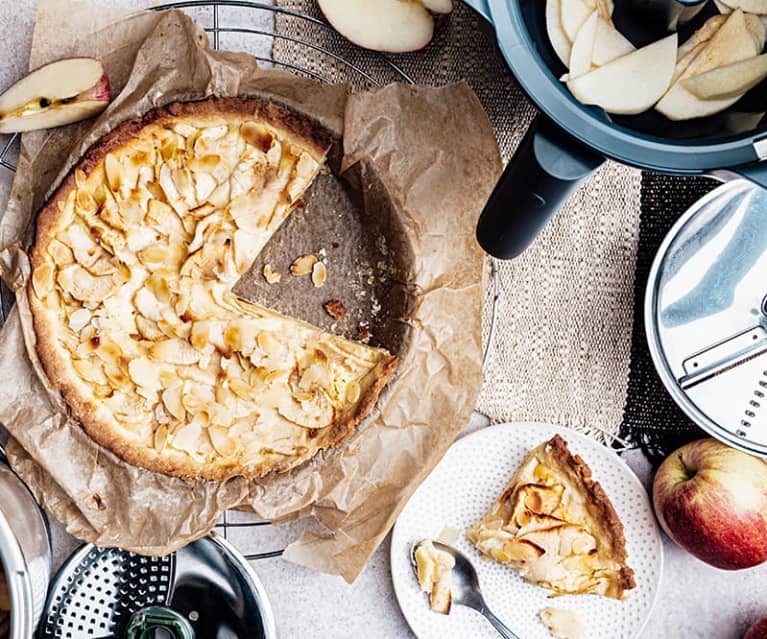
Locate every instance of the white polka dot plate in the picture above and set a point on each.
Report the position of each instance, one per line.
(461, 489)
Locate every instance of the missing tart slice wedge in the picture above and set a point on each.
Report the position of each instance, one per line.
(557, 527)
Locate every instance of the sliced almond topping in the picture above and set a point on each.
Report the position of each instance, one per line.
(256, 136)
(221, 441)
(174, 351)
(272, 277)
(161, 438)
(319, 274)
(112, 169)
(303, 265)
(171, 398)
(79, 319)
(268, 343)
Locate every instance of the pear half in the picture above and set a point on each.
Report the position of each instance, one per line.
(393, 26)
(56, 94)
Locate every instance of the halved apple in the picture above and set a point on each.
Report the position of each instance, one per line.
(751, 6)
(393, 26)
(583, 47)
(557, 36)
(609, 44)
(632, 83)
(438, 6)
(573, 13)
(56, 94)
(728, 81)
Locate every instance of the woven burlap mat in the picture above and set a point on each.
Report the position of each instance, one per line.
(564, 318)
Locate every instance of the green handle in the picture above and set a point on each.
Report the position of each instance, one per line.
(143, 624)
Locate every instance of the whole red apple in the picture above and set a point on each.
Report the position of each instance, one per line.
(712, 500)
(758, 630)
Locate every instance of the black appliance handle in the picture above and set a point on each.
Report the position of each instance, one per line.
(545, 170)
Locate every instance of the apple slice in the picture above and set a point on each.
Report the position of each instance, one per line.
(572, 14)
(609, 44)
(392, 26)
(557, 36)
(750, 6)
(632, 83)
(583, 47)
(56, 94)
(728, 81)
(438, 6)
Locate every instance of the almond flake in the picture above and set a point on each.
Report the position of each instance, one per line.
(271, 276)
(319, 274)
(303, 265)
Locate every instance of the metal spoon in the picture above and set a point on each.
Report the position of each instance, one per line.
(464, 586)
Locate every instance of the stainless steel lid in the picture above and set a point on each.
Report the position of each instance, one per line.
(706, 314)
(206, 590)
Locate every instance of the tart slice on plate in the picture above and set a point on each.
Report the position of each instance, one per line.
(556, 526)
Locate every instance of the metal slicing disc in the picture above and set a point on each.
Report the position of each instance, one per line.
(706, 314)
(97, 592)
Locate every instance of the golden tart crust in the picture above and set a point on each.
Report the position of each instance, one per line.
(557, 527)
(132, 269)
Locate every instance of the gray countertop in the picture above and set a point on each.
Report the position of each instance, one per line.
(696, 601)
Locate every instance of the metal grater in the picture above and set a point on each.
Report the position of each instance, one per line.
(206, 587)
(706, 314)
(97, 591)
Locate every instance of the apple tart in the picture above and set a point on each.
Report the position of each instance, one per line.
(133, 266)
(557, 527)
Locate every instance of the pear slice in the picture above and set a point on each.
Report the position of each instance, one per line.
(723, 8)
(704, 34)
(583, 47)
(632, 83)
(757, 29)
(392, 26)
(572, 14)
(733, 42)
(609, 44)
(683, 63)
(750, 6)
(438, 6)
(557, 36)
(56, 94)
(728, 81)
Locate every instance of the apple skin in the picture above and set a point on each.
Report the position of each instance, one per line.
(712, 501)
(758, 630)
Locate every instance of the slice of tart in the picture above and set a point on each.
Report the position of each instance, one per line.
(133, 265)
(556, 526)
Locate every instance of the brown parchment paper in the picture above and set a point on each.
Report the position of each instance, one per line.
(430, 153)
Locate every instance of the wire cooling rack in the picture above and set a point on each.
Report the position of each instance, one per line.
(249, 25)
